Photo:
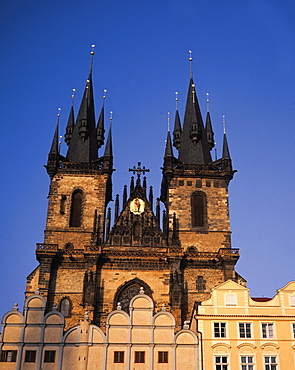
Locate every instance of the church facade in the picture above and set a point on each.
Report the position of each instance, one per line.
(122, 295)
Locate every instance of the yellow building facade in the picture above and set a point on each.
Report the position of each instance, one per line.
(240, 332)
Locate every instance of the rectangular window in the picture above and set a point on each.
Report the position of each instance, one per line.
(221, 363)
(270, 363)
(139, 357)
(267, 330)
(292, 300)
(163, 357)
(118, 357)
(230, 300)
(30, 356)
(245, 329)
(219, 330)
(49, 356)
(8, 356)
(247, 363)
(293, 330)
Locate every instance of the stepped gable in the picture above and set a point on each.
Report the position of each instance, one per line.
(136, 226)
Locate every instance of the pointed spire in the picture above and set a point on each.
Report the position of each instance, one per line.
(194, 148)
(144, 185)
(177, 126)
(108, 223)
(71, 122)
(109, 145)
(124, 196)
(83, 144)
(168, 148)
(117, 207)
(54, 146)
(225, 150)
(100, 124)
(151, 197)
(53, 156)
(158, 210)
(208, 128)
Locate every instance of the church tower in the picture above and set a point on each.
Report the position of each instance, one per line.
(80, 189)
(195, 193)
(87, 264)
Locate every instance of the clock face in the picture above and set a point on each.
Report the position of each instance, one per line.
(137, 206)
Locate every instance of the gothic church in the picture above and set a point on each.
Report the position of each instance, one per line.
(97, 282)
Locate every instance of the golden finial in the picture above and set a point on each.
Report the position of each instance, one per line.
(168, 119)
(73, 96)
(176, 99)
(208, 101)
(58, 112)
(215, 150)
(194, 93)
(91, 57)
(104, 96)
(190, 63)
(224, 124)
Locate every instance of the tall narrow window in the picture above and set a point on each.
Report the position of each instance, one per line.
(200, 284)
(65, 307)
(198, 203)
(76, 209)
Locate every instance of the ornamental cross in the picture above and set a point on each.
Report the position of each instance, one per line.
(139, 170)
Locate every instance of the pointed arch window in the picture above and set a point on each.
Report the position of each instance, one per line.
(198, 204)
(76, 209)
(65, 307)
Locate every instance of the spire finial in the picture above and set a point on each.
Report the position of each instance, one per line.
(111, 119)
(73, 96)
(176, 99)
(168, 120)
(190, 63)
(104, 96)
(208, 101)
(224, 124)
(91, 57)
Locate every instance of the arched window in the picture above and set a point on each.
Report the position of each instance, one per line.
(198, 203)
(200, 284)
(65, 307)
(76, 209)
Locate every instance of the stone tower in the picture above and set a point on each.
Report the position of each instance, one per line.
(87, 264)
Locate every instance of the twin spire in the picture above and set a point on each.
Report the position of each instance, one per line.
(194, 141)
(84, 137)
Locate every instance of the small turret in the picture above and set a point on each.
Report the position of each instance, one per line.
(53, 156)
(208, 128)
(177, 126)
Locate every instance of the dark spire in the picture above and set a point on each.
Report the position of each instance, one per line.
(100, 124)
(209, 132)
(108, 223)
(177, 131)
(194, 148)
(151, 197)
(158, 210)
(225, 149)
(208, 128)
(53, 155)
(124, 196)
(83, 144)
(70, 126)
(109, 145)
(144, 185)
(116, 207)
(168, 149)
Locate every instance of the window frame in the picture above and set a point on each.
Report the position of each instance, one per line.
(69, 312)
(139, 357)
(267, 326)
(76, 211)
(119, 357)
(269, 365)
(9, 355)
(230, 299)
(49, 356)
(246, 365)
(199, 211)
(163, 357)
(221, 365)
(245, 324)
(30, 355)
(219, 328)
(293, 330)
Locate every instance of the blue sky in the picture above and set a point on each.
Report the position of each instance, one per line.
(244, 55)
